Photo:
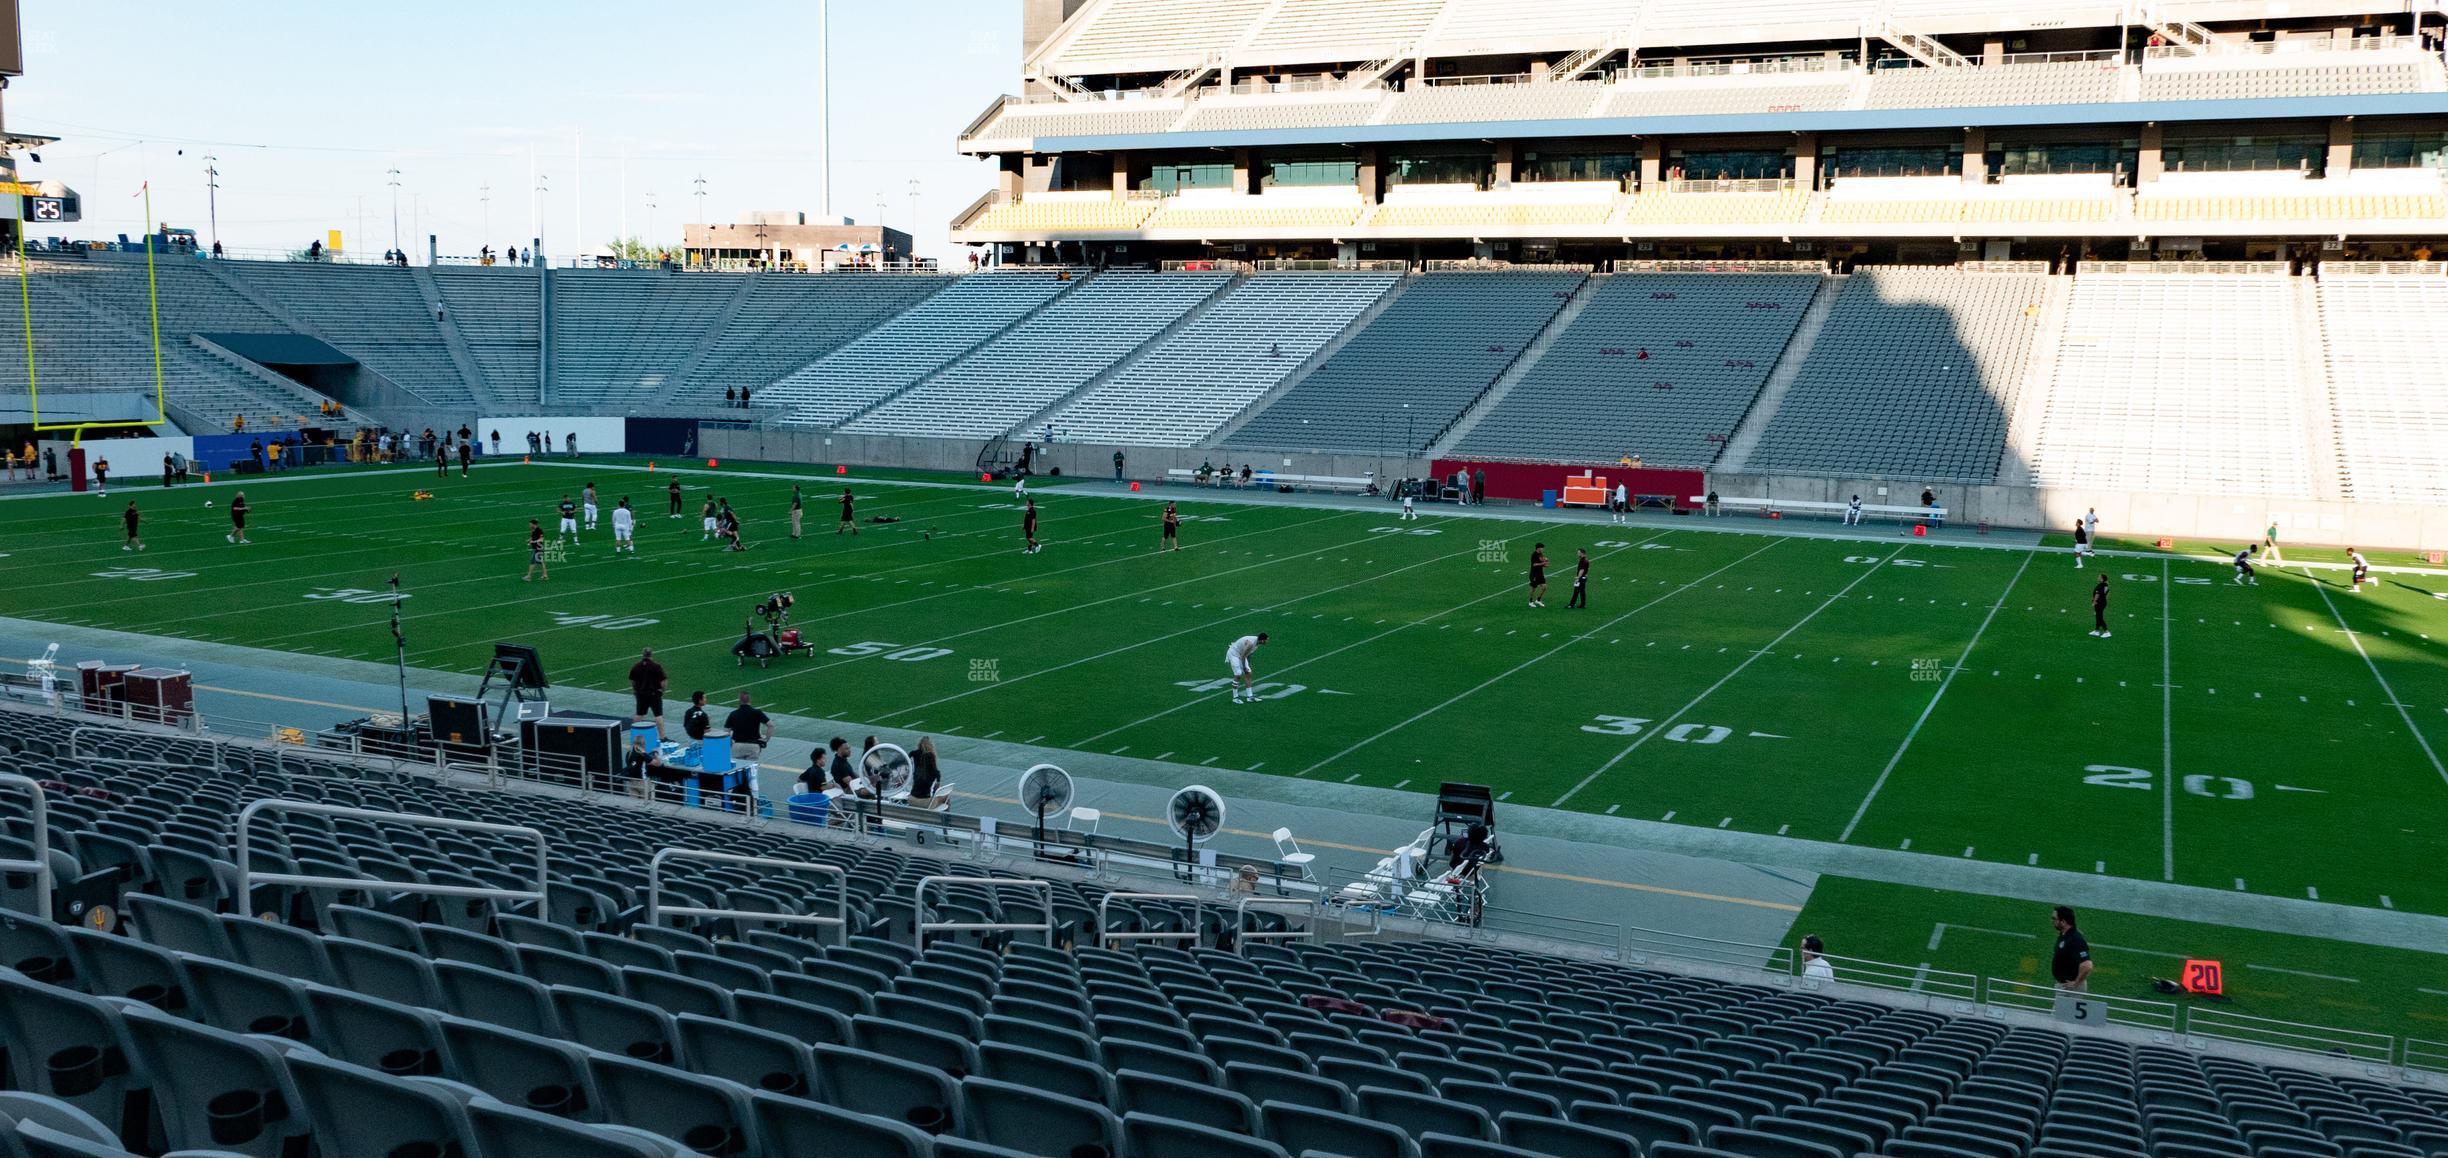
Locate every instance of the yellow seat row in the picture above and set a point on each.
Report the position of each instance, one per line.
(1664, 208)
(2389, 206)
(1437, 216)
(1257, 217)
(1059, 216)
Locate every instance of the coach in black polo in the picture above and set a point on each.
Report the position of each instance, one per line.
(2072, 964)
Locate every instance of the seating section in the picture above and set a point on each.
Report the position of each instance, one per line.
(2062, 83)
(2390, 394)
(1401, 381)
(1056, 216)
(1491, 212)
(1256, 214)
(496, 311)
(1663, 366)
(1300, 31)
(1227, 114)
(1730, 96)
(1913, 379)
(1133, 33)
(789, 320)
(2341, 74)
(1431, 104)
(81, 347)
(621, 338)
(1948, 210)
(2313, 204)
(1671, 207)
(1028, 122)
(1082, 335)
(1193, 382)
(374, 314)
(931, 335)
(2129, 411)
(348, 1020)
(192, 300)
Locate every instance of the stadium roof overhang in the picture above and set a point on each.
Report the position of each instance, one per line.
(1859, 120)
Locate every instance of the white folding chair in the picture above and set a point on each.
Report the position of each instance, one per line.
(1288, 851)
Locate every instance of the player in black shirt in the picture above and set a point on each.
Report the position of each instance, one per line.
(1172, 528)
(467, 452)
(675, 498)
(2099, 607)
(130, 517)
(730, 528)
(569, 518)
(2244, 568)
(1538, 575)
(849, 518)
(535, 552)
(1028, 528)
(2070, 966)
(238, 514)
(1580, 591)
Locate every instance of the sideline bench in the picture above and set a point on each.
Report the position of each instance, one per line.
(1910, 513)
(1269, 480)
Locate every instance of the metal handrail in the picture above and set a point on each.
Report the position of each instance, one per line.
(1242, 936)
(656, 910)
(248, 878)
(2162, 1016)
(2361, 1045)
(1916, 979)
(40, 866)
(2417, 1054)
(1045, 896)
(1641, 944)
(1198, 918)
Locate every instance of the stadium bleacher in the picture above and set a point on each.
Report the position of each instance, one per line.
(355, 1019)
(622, 340)
(2128, 411)
(912, 345)
(496, 313)
(789, 320)
(374, 314)
(1032, 366)
(1402, 380)
(2391, 396)
(1663, 366)
(1181, 389)
(92, 334)
(1914, 377)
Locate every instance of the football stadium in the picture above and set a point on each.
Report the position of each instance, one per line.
(1381, 578)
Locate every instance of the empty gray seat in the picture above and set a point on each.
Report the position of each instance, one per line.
(1150, 1136)
(793, 1126)
(496, 997)
(871, 1083)
(1203, 1105)
(386, 1036)
(1036, 1122)
(1053, 1073)
(522, 1069)
(706, 1115)
(1301, 1129)
(246, 1000)
(501, 1129)
(72, 1047)
(756, 1058)
(1418, 1114)
(617, 1025)
(355, 1110)
(218, 1090)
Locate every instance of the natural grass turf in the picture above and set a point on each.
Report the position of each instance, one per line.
(2335, 984)
(1800, 687)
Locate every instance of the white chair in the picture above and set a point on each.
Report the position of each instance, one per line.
(1085, 820)
(1288, 851)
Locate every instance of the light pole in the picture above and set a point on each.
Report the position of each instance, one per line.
(650, 208)
(701, 217)
(913, 229)
(394, 182)
(484, 194)
(212, 195)
(534, 209)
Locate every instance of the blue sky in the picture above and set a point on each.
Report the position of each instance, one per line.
(307, 105)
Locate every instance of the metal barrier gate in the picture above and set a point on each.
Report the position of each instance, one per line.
(248, 878)
(1242, 935)
(1045, 899)
(40, 866)
(656, 910)
(1198, 917)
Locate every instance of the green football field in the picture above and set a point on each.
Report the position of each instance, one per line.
(1888, 692)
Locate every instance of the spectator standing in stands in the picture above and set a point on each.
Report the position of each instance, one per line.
(749, 729)
(695, 721)
(729, 396)
(926, 777)
(2099, 607)
(1815, 965)
(743, 398)
(216, 251)
(2071, 965)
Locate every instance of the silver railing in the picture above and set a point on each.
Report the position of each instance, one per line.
(2417, 1054)
(1915, 979)
(1242, 935)
(1045, 899)
(248, 878)
(1105, 933)
(2245, 1029)
(40, 866)
(2156, 1016)
(656, 910)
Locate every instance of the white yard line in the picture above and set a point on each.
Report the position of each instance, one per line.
(1499, 677)
(2167, 725)
(2394, 700)
(1881, 783)
(1679, 713)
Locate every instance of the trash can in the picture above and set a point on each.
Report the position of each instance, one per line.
(810, 808)
(1547, 499)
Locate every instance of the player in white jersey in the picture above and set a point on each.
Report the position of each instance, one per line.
(1237, 660)
(624, 527)
(1408, 513)
(586, 499)
(1853, 511)
(2362, 570)
(1020, 487)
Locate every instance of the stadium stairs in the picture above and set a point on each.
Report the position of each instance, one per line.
(1223, 434)
(2323, 448)
(2030, 416)
(984, 341)
(453, 341)
(1735, 456)
(1442, 444)
(350, 1019)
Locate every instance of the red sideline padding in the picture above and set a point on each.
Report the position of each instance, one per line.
(1527, 481)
